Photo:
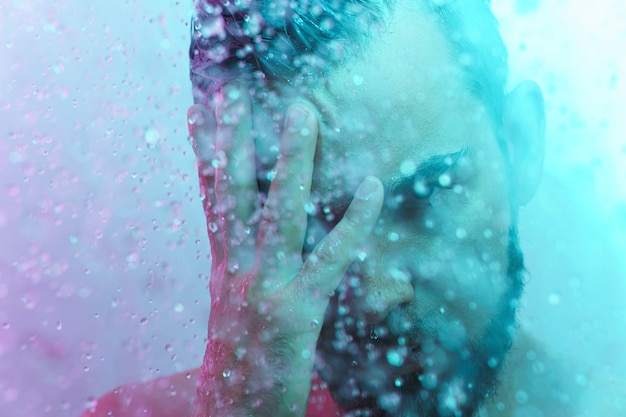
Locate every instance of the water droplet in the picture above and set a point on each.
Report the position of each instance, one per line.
(399, 275)
(521, 396)
(132, 258)
(429, 380)
(314, 323)
(220, 161)
(399, 382)
(373, 334)
(226, 373)
(493, 362)
(389, 401)
(213, 227)
(358, 80)
(445, 180)
(59, 325)
(169, 348)
(395, 357)
(554, 299)
(233, 93)
(408, 167)
(240, 352)
(421, 188)
(91, 404)
(152, 136)
(143, 321)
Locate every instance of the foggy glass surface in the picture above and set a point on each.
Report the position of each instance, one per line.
(104, 254)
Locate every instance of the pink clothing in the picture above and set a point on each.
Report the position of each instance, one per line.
(321, 404)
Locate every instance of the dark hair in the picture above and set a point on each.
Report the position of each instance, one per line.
(296, 40)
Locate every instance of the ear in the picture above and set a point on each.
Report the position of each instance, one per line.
(524, 123)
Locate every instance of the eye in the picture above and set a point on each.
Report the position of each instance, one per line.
(411, 203)
(424, 188)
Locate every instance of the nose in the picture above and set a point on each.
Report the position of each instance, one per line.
(383, 287)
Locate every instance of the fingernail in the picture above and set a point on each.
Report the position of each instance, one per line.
(195, 117)
(296, 117)
(367, 188)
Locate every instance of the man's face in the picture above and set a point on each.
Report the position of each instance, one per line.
(431, 289)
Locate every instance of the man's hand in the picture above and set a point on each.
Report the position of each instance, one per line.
(267, 303)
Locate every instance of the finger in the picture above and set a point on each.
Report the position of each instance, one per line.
(202, 132)
(284, 215)
(324, 268)
(235, 186)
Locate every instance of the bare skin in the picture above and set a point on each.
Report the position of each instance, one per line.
(175, 395)
(158, 398)
(308, 287)
(268, 302)
(259, 283)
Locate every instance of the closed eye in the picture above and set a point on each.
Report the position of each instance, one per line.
(413, 203)
(411, 195)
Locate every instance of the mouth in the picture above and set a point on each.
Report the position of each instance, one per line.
(395, 358)
(402, 360)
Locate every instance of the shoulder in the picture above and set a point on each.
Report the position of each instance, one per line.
(605, 395)
(534, 381)
(167, 396)
(537, 381)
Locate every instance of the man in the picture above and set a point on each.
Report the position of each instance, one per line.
(362, 169)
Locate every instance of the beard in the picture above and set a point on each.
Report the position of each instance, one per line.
(425, 371)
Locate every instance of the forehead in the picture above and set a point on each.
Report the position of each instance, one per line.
(401, 102)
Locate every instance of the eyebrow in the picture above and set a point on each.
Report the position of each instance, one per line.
(430, 170)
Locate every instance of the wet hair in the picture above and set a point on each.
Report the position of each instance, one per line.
(298, 41)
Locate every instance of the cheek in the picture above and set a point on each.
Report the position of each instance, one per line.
(459, 263)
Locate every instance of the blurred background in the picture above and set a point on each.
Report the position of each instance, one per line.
(103, 250)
